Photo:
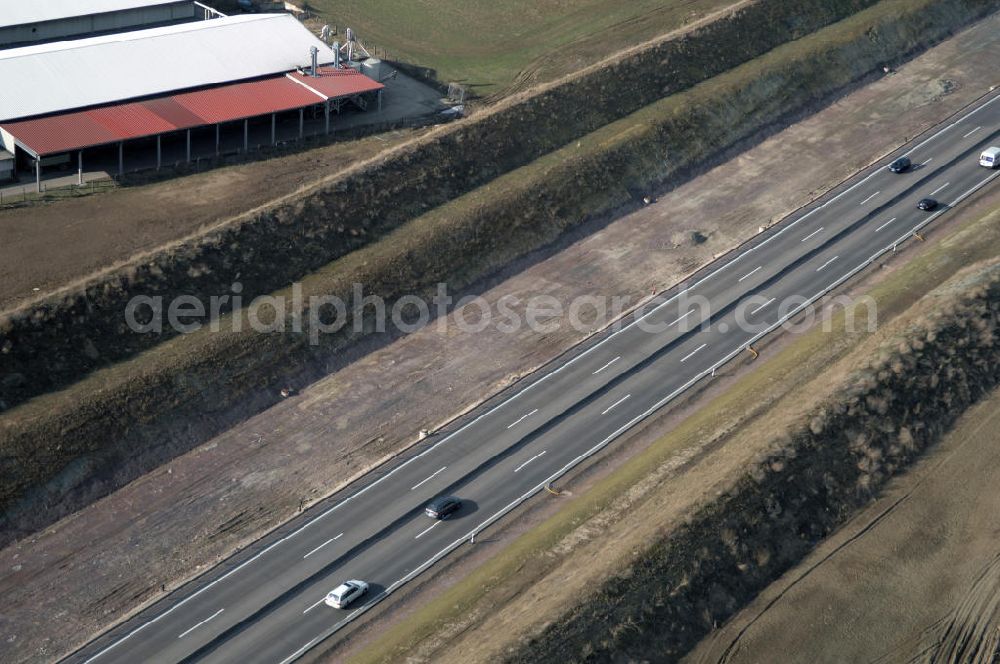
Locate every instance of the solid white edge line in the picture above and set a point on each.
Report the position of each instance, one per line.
(956, 122)
(188, 631)
(784, 228)
(559, 473)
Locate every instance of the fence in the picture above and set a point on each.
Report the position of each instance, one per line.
(26, 193)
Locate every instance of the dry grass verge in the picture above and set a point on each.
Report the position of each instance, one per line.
(819, 473)
(105, 430)
(661, 494)
(59, 339)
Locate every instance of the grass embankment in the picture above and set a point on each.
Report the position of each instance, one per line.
(688, 548)
(487, 45)
(61, 338)
(131, 416)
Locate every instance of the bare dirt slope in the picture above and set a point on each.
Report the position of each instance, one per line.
(47, 246)
(113, 556)
(913, 578)
(616, 522)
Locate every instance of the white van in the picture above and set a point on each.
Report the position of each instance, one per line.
(990, 158)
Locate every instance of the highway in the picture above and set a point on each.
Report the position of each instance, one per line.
(265, 604)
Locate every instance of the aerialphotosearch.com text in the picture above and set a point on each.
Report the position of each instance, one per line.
(320, 315)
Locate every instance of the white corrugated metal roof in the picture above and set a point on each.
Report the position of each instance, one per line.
(22, 12)
(59, 76)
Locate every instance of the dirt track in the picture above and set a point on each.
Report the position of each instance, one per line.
(913, 578)
(186, 514)
(51, 245)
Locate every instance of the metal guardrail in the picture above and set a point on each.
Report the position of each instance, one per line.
(470, 536)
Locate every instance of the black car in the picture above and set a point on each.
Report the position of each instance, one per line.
(927, 204)
(901, 165)
(443, 506)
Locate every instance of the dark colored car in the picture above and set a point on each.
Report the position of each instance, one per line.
(927, 204)
(901, 165)
(443, 507)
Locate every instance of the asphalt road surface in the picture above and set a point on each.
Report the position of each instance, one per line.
(266, 603)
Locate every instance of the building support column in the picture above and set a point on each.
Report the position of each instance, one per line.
(246, 135)
(38, 174)
(302, 123)
(79, 168)
(121, 159)
(189, 146)
(274, 128)
(326, 114)
(159, 152)
(217, 140)
(380, 100)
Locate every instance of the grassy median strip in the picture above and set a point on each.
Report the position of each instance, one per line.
(531, 556)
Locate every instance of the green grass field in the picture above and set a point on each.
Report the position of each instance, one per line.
(491, 46)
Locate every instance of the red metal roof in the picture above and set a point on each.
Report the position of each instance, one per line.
(236, 101)
(337, 83)
(245, 100)
(129, 120)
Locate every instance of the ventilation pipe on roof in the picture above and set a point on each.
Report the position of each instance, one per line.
(336, 55)
(314, 70)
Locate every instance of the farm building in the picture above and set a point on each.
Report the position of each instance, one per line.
(47, 20)
(127, 96)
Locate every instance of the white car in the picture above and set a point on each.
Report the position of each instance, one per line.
(344, 595)
(990, 158)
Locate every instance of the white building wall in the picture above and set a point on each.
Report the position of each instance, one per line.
(6, 141)
(6, 156)
(6, 166)
(79, 26)
(66, 75)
